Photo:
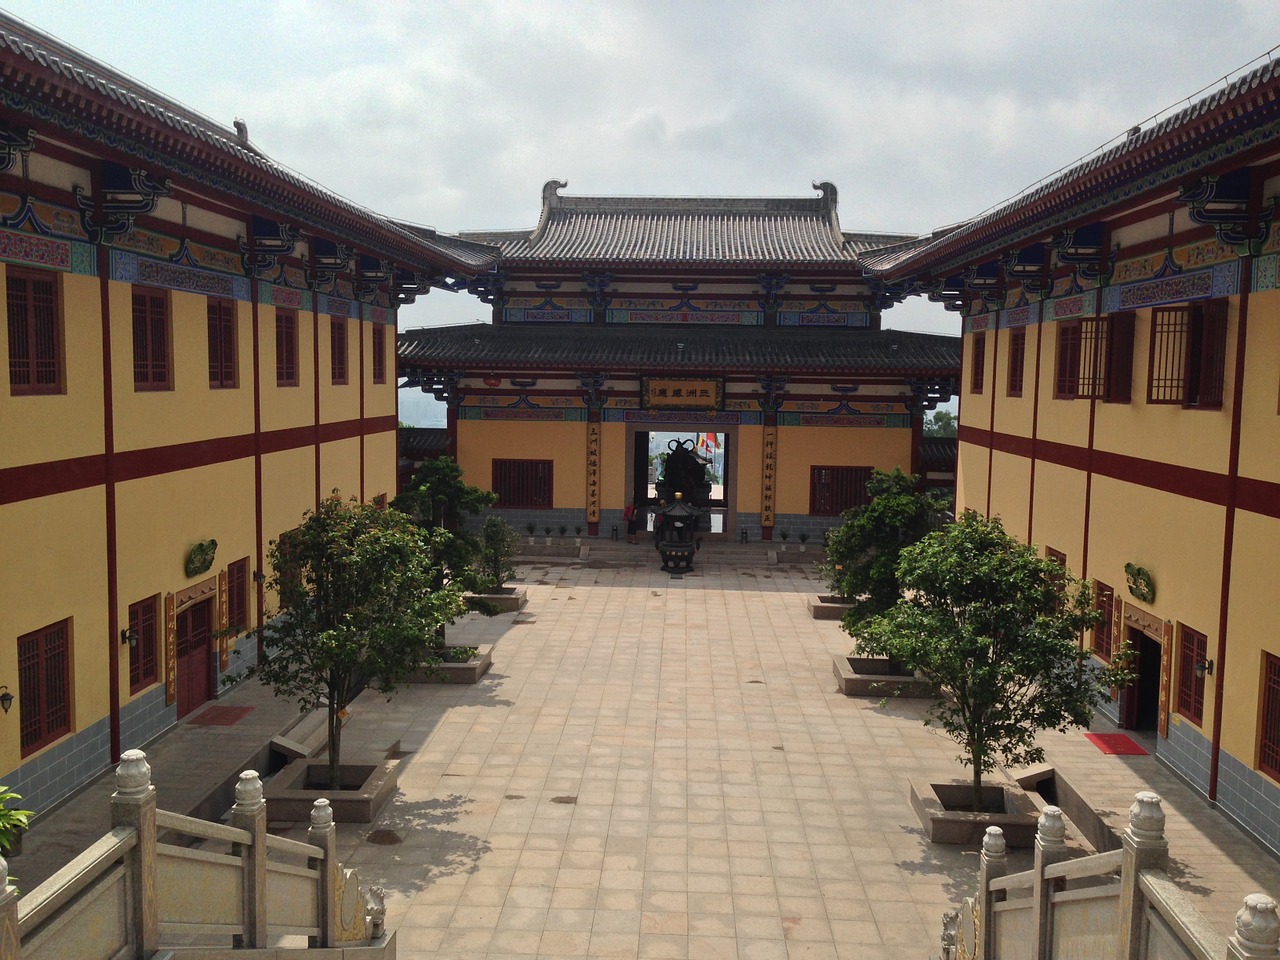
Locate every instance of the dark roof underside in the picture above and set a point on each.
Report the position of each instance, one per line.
(675, 350)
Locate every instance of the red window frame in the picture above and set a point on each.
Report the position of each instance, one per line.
(286, 348)
(144, 648)
(238, 596)
(379, 353)
(1269, 733)
(978, 363)
(222, 343)
(338, 350)
(152, 340)
(835, 489)
(1066, 381)
(1193, 648)
(35, 332)
(1104, 601)
(527, 484)
(44, 685)
(1188, 357)
(1017, 360)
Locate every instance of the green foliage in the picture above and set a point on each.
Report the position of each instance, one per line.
(996, 628)
(12, 820)
(941, 423)
(498, 541)
(361, 595)
(862, 553)
(438, 498)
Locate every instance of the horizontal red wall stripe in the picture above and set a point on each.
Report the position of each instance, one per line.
(34, 480)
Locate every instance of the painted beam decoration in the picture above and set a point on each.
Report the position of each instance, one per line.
(769, 476)
(681, 393)
(593, 473)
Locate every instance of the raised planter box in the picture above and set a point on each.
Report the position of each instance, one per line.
(878, 677)
(827, 607)
(469, 672)
(942, 825)
(505, 600)
(364, 789)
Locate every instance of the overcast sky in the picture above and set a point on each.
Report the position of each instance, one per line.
(454, 114)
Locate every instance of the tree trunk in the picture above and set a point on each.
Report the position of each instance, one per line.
(977, 787)
(335, 741)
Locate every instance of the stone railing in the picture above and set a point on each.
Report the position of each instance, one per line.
(1117, 904)
(131, 895)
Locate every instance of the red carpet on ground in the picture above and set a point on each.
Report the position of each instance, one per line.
(221, 716)
(1115, 743)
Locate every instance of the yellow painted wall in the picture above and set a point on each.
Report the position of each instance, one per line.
(800, 448)
(340, 468)
(380, 465)
(53, 566)
(284, 407)
(1058, 519)
(191, 410)
(379, 398)
(1014, 414)
(1250, 632)
(1260, 420)
(41, 428)
(341, 401)
(971, 477)
(481, 442)
(288, 489)
(1061, 421)
(1010, 482)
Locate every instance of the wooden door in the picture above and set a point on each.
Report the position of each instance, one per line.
(195, 657)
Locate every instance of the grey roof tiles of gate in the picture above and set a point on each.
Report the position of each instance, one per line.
(683, 348)
(705, 230)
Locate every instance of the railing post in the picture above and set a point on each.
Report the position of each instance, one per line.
(250, 813)
(1051, 848)
(134, 805)
(991, 865)
(1257, 930)
(10, 948)
(321, 834)
(1144, 848)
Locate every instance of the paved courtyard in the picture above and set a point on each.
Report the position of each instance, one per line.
(661, 767)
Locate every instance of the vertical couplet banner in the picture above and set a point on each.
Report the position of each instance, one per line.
(770, 474)
(593, 473)
(1166, 675)
(223, 621)
(170, 651)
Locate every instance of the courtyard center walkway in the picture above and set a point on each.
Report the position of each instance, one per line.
(662, 767)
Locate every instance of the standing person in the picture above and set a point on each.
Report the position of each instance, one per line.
(629, 515)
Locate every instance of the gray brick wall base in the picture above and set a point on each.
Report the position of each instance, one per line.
(1251, 799)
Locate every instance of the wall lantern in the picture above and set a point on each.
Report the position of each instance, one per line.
(1202, 668)
(129, 636)
(6, 699)
(259, 577)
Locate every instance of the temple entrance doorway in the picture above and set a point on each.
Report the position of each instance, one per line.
(650, 446)
(195, 656)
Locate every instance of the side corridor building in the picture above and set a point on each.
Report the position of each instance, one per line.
(200, 345)
(1120, 408)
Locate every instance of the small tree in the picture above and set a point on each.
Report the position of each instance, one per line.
(940, 423)
(996, 628)
(497, 547)
(862, 553)
(357, 604)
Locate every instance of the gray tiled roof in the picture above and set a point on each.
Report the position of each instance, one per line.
(706, 230)
(468, 252)
(479, 346)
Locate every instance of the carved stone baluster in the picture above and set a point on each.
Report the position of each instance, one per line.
(991, 865)
(250, 813)
(134, 805)
(9, 947)
(321, 834)
(1051, 848)
(1145, 848)
(1257, 930)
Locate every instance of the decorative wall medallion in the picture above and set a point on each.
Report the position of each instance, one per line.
(200, 558)
(1140, 583)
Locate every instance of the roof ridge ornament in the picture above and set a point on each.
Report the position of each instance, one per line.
(550, 200)
(830, 205)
